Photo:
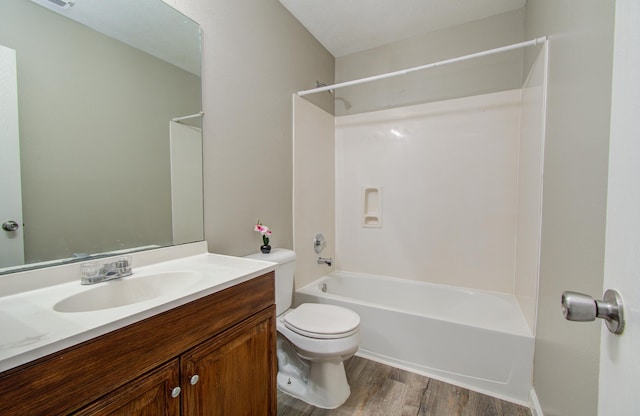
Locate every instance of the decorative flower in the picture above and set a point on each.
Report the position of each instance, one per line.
(264, 230)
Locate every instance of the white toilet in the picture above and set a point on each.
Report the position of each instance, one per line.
(313, 340)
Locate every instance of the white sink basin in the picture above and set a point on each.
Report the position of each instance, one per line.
(121, 292)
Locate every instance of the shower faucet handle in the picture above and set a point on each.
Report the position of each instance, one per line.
(319, 243)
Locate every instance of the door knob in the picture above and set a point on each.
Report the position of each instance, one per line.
(580, 307)
(10, 226)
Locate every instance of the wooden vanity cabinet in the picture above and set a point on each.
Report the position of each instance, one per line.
(227, 340)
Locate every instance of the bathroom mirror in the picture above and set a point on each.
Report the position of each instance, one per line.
(108, 129)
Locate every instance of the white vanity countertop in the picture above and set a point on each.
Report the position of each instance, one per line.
(30, 328)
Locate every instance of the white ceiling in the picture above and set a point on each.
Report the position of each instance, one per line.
(348, 26)
(149, 25)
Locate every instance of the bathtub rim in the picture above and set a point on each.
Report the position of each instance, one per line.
(523, 329)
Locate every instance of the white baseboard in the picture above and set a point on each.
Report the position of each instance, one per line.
(536, 409)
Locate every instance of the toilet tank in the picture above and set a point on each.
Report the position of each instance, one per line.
(284, 272)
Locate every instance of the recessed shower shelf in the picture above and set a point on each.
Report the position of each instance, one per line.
(372, 210)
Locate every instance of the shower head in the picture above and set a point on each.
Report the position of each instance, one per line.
(347, 104)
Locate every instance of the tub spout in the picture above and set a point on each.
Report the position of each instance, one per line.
(324, 260)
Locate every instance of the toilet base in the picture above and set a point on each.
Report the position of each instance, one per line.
(320, 383)
(326, 387)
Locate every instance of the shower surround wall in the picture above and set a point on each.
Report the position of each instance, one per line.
(449, 173)
(313, 188)
(461, 185)
(530, 169)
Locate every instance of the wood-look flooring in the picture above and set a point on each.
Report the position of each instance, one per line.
(380, 390)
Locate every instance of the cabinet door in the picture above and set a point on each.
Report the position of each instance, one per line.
(148, 395)
(236, 371)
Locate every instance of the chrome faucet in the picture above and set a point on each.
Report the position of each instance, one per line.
(324, 260)
(90, 274)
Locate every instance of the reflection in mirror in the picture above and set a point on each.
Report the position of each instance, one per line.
(98, 163)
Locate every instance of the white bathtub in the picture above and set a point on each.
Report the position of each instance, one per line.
(474, 339)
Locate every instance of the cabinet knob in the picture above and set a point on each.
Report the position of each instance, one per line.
(175, 392)
(194, 379)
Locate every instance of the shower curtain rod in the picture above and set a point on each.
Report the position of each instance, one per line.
(200, 114)
(532, 42)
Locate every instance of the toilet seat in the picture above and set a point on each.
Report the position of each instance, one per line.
(322, 321)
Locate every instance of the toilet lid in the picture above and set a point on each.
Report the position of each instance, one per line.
(322, 321)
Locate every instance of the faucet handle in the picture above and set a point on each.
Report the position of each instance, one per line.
(89, 269)
(122, 263)
(319, 243)
(119, 267)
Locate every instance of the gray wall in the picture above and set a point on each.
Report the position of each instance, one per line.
(482, 75)
(95, 161)
(255, 56)
(574, 198)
